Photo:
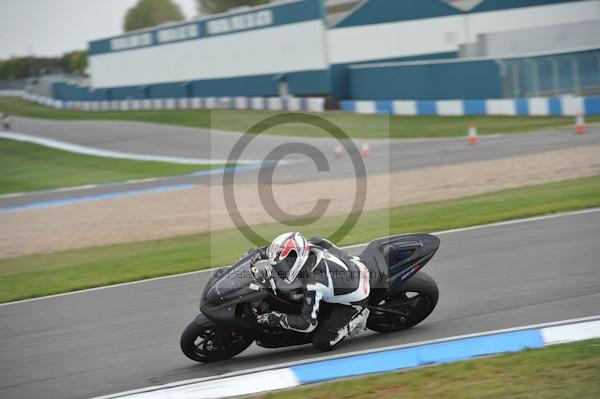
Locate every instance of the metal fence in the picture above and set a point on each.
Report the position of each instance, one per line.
(576, 73)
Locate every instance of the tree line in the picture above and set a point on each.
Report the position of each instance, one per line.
(25, 67)
(147, 13)
(144, 14)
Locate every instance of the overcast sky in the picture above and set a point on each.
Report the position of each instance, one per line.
(52, 27)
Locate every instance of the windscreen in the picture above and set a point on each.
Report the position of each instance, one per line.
(236, 281)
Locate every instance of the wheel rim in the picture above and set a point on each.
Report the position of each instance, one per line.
(210, 343)
(409, 305)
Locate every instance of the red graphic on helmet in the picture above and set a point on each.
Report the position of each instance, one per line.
(282, 247)
(289, 245)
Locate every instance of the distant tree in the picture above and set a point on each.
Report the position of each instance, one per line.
(148, 13)
(25, 67)
(28, 67)
(77, 61)
(216, 6)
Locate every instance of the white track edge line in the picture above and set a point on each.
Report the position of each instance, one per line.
(98, 152)
(505, 223)
(457, 230)
(349, 354)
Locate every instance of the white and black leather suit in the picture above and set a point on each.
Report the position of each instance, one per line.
(329, 275)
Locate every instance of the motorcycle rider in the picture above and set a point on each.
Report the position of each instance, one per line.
(5, 121)
(327, 274)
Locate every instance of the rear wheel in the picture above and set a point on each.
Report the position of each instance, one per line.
(411, 303)
(206, 342)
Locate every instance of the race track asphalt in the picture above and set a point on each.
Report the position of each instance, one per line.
(125, 337)
(386, 155)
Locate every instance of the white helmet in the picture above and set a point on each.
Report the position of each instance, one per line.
(288, 253)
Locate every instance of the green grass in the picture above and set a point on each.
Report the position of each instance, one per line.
(355, 125)
(31, 167)
(562, 371)
(37, 275)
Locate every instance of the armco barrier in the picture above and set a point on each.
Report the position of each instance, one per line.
(390, 359)
(308, 104)
(540, 106)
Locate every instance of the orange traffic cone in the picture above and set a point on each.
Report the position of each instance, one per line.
(579, 124)
(339, 151)
(473, 138)
(365, 150)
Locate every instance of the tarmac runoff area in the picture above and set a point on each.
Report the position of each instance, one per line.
(113, 339)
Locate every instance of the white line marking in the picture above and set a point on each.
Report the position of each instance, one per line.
(505, 223)
(517, 221)
(570, 333)
(349, 354)
(458, 230)
(243, 384)
(80, 149)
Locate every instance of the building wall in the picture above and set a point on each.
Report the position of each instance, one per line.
(241, 53)
(245, 53)
(547, 38)
(431, 80)
(504, 20)
(575, 72)
(401, 30)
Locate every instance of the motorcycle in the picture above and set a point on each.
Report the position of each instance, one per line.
(401, 297)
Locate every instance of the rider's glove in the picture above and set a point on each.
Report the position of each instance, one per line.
(272, 319)
(257, 257)
(259, 254)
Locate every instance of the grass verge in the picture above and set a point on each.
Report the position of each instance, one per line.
(355, 125)
(31, 167)
(37, 275)
(562, 371)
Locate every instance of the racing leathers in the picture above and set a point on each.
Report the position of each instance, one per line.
(332, 276)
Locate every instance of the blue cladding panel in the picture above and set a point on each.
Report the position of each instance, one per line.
(124, 93)
(167, 90)
(426, 81)
(309, 82)
(443, 352)
(66, 91)
(282, 14)
(555, 106)
(493, 5)
(522, 106)
(299, 83)
(592, 106)
(474, 107)
(383, 11)
(340, 74)
(262, 85)
(426, 108)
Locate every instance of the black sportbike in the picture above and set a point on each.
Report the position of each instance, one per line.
(401, 297)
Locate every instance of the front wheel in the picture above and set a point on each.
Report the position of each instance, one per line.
(203, 341)
(412, 303)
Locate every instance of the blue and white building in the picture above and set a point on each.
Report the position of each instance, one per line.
(380, 50)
